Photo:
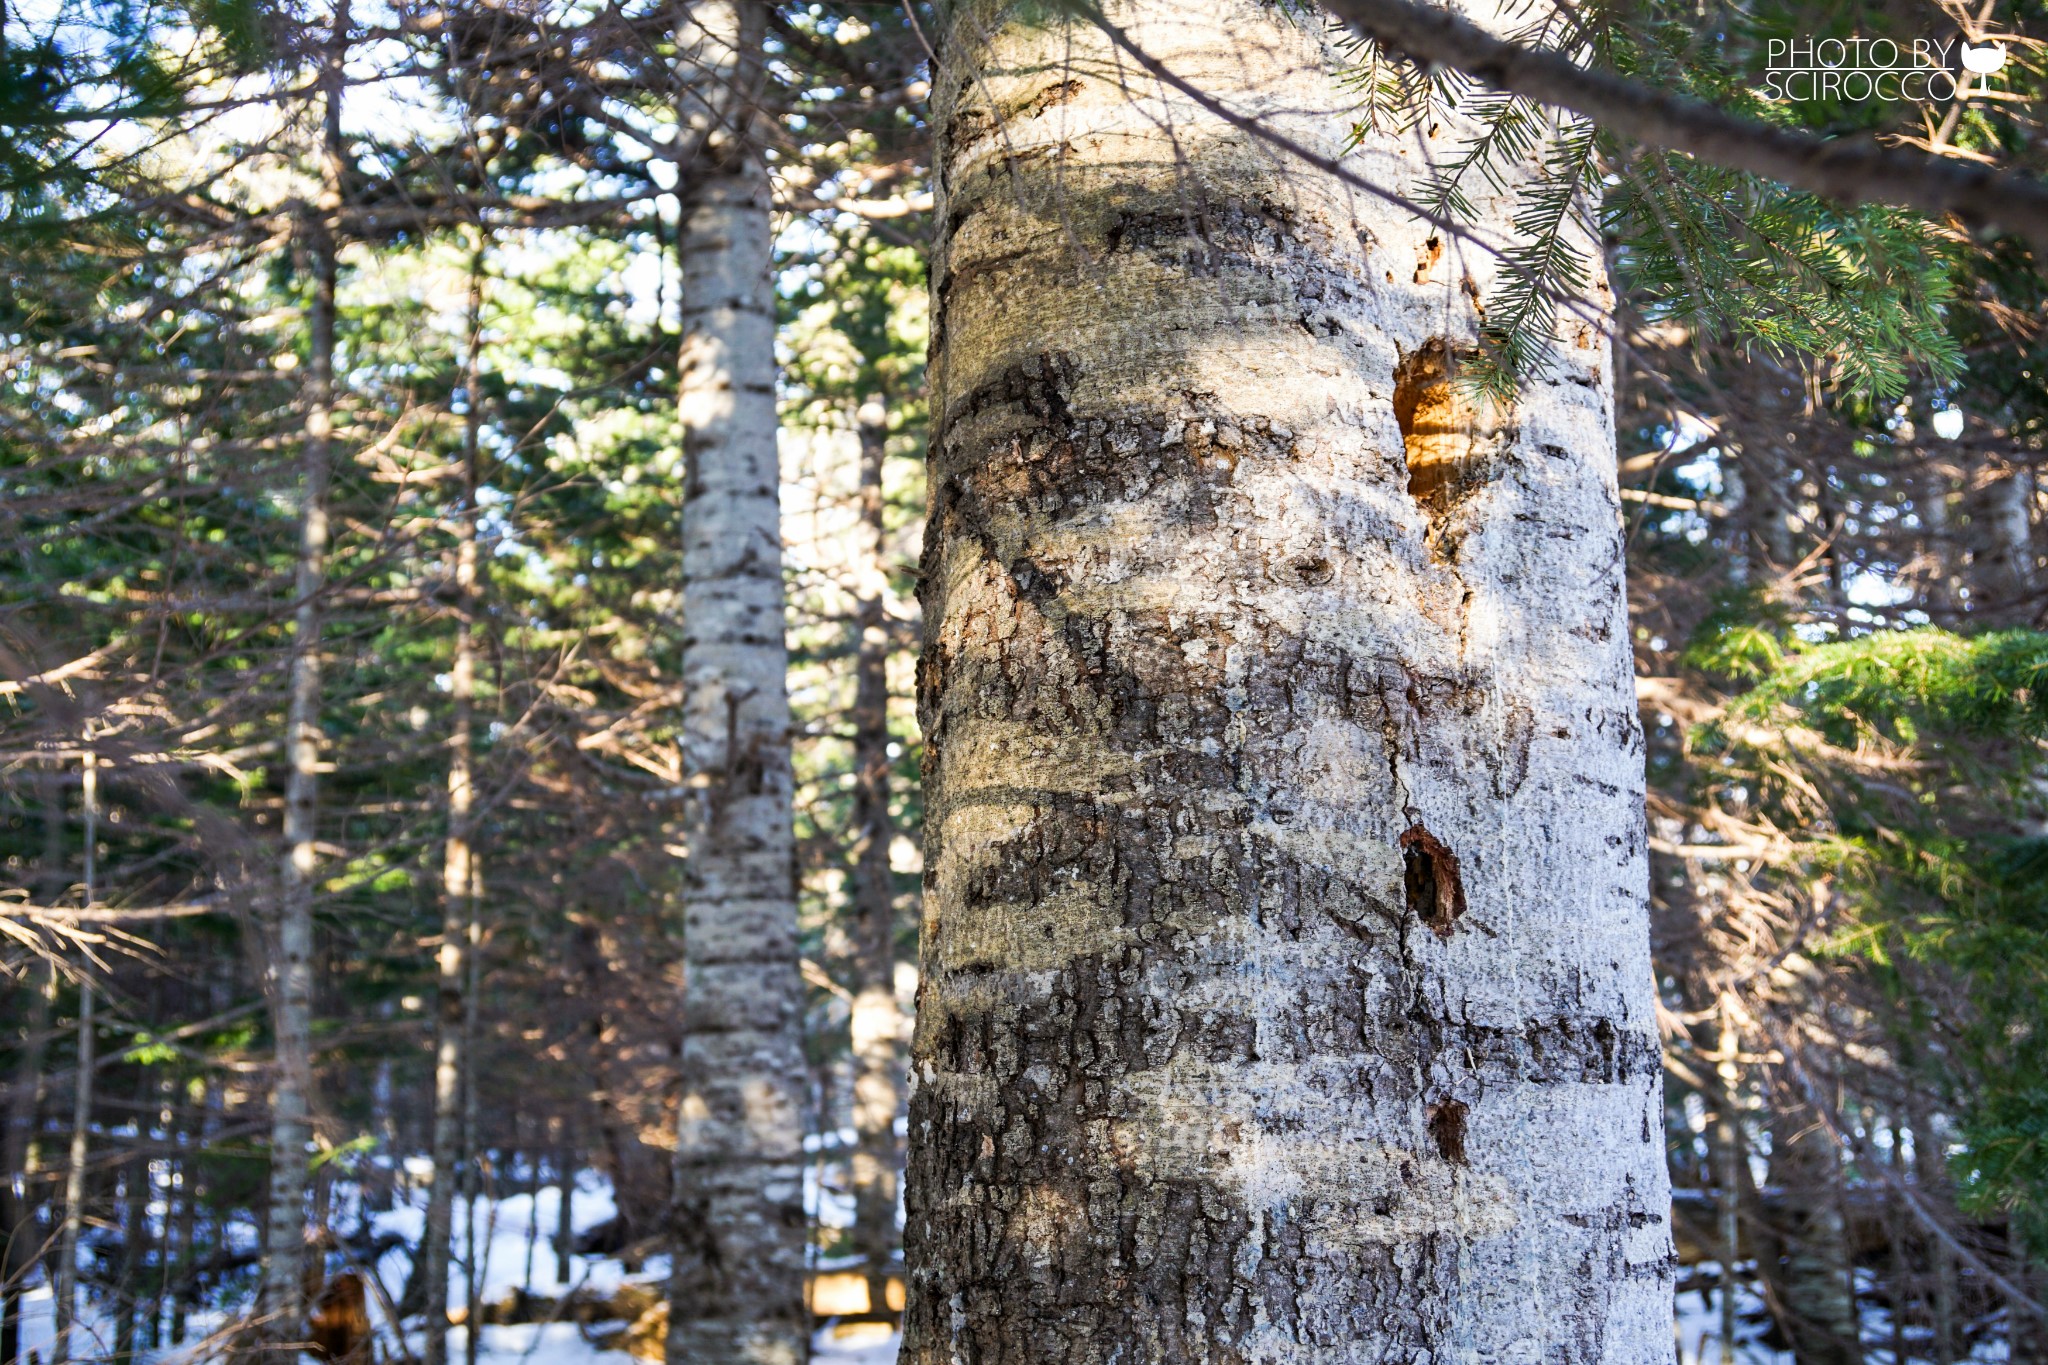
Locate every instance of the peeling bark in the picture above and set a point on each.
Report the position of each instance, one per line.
(1286, 990)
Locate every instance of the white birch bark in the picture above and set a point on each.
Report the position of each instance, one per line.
(737, 1291)
(281, 1302)
(1286, 990)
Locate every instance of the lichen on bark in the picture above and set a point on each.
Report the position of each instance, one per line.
(1200, 1075)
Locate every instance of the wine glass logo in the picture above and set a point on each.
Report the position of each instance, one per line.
(1984, 60)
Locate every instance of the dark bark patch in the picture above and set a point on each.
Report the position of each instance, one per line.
(1447, 1129)
(1312, 570)
(1426, 259)
(1511, 763)
(1436, 889)
(1052, 96)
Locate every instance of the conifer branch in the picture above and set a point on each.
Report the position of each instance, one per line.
(1843, 170)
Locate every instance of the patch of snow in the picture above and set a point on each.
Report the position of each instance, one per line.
(856, 1343)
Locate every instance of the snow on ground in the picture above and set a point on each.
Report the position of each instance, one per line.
(1696, 1326)
(514, 1238)
(553, 1343)
(856, 1343)
(517, 1231)
(505, 1228)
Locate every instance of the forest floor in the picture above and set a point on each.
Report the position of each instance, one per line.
(1697, 1326)
(513, 1235)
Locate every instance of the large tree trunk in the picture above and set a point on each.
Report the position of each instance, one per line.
(737, 1292)
(458, 907)
(877, 1024)
(1286, 990)
(281, 1304)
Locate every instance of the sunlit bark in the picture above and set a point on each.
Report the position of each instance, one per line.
(1286, 989)
(737, 1291)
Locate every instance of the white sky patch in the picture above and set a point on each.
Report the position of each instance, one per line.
(1867, 589)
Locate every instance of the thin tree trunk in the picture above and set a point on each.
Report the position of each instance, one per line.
(1818, 1310)
(18, 1209)
(168, 1122)
(1728, 1191)
(472, 1168)
(2002, 547)
(282, 1306)
(458, 907)
(565, 1216)
(1939, 540)
(192, 1194)
(1932, 1182)
(877, 1025)
(533, 1187)
(128, 1298)
(380, 1191)
(1904, 1288)
(2027, 1334)
(1286, 991)
(737, 1289)
(66, 1285)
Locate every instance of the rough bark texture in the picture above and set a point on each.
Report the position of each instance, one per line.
(1286, 989)
(458, 907)
(877, 1025)
(290, 984)
(737, 1294)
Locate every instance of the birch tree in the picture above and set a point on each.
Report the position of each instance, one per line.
(737, 1289)
(1286, 987)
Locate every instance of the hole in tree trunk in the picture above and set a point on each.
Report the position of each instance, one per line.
(1436, 427)
(1447, 1126)
(1436, 891)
